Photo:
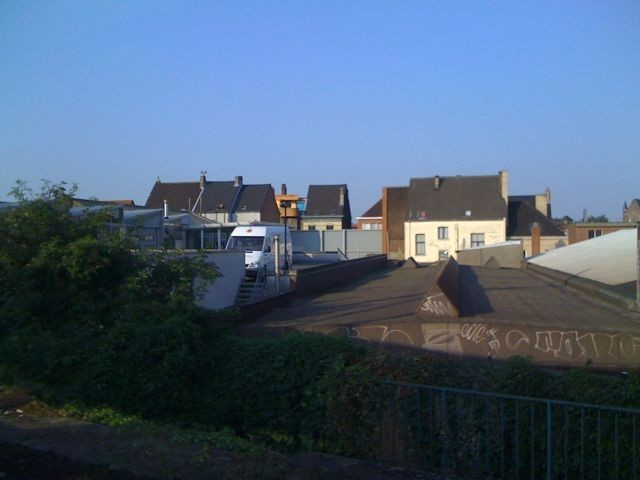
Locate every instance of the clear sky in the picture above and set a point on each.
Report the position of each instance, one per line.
(113, 94)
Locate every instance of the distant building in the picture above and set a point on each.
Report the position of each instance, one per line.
(631, 213)
(290, 207)
(533, 226)
(394, 212)
(226, 202)
(372, 218)
(327, 208)
(446, 214)
(581, 231)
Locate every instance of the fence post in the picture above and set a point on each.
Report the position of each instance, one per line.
(549, 451)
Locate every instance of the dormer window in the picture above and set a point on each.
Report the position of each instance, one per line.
(467, 213)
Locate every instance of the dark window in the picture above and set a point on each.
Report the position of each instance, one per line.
(420, 244)
(311, 227)
(329, 227)
(477, 239)
(595, 233)
(443, 233)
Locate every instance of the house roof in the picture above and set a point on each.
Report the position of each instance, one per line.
(253, 197)
(218, 196)
(522, 215)
(179, 195)
(324, 201)
(373, 212)
(454, 197)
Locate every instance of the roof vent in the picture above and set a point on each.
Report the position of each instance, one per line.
(203, 178)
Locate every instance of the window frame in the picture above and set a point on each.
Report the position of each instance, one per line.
(477, 243)
(420, 240)
(443, 233)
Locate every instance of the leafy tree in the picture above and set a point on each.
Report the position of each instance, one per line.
(71, 299)
(598, 219)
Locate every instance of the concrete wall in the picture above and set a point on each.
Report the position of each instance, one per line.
(222, 292)
(507, 256)
(546, 244)
(459, 237)
(325, 276)
(354, 243)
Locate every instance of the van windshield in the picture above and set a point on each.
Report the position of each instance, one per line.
(249, 244)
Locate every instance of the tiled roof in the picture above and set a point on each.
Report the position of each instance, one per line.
(253, 197)
(456, 198)
(218, 196)
(324, 200)
(179, 195)
(522, 215)
(374, 211)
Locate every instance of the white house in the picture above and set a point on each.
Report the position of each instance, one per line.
(446, 214)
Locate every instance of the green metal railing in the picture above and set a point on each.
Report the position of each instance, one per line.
(490, 435)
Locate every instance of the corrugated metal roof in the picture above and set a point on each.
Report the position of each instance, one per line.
(610, 259)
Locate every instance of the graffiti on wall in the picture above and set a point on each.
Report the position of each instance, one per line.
(499, 341)
(503, 341)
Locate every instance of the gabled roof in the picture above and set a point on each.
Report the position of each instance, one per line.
(324, 201)
(218, 197)
(374, 212)
(522, 215)
(253, 197)
(454, 197)
(179, 195)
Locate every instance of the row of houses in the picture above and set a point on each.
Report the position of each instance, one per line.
(429, 219)
(230, 203)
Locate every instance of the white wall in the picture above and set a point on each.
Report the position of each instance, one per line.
(459, 236)
(223, 291)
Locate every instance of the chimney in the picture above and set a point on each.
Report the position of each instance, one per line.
(238, 181)
(584, 215)
(436, 182)
(504, 185)
(341, 203)
(166, 209)
(535, 239)
(203, 179)
(283, 189)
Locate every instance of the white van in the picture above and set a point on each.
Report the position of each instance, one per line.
(257, 241)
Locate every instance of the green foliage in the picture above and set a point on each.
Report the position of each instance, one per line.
(598, 219)
(89, 320)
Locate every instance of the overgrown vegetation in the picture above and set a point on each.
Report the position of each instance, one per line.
(85, 319)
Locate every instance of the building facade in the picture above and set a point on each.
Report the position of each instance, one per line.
(446, 214)
(327, 208)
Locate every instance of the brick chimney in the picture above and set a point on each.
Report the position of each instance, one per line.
(535, 239)
(203, 179)
(283, 189)
(504, 185)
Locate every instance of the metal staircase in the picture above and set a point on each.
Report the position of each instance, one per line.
(252, 289)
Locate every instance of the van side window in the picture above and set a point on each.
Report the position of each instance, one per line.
(267, 246)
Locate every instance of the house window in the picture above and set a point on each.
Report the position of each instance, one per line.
(329, 227)
(420, 244)
(443, 233)
(477, 239)
(366, 226)
(311, 227)
(595, 233)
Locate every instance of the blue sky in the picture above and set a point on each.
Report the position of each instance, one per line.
(112, 95)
